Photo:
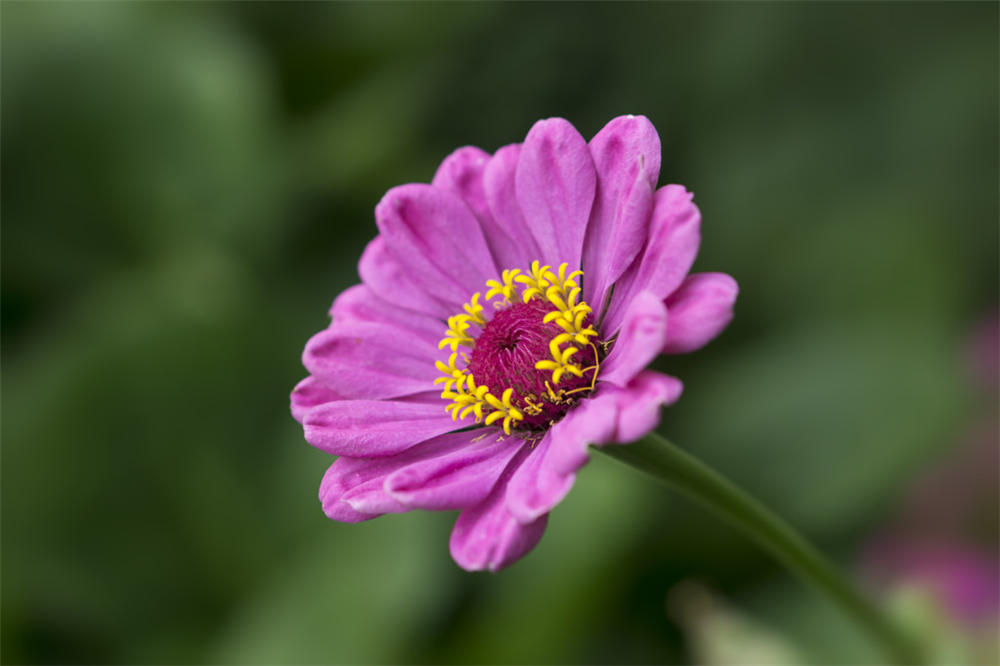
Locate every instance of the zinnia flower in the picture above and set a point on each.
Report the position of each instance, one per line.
(504, 321)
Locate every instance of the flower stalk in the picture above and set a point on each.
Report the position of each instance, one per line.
(663, 460)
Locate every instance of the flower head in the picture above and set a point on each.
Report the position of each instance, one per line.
(505, 318)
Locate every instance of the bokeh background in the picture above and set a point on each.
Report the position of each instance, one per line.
(186, 187)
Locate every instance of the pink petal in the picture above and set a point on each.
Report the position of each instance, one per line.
(347, 474)
(555, 183)
(487, 536)
(591, 422)
(626, 155)
(392, 282)
(535, 487)
(437, 240)
(639, 341)
(498, 186)
(360, 303)
(376, 428)
(616, 415)
(674, 237)
(639, 412)
(307, 394)
(699, 310)
(359, 359)
(458, 480)
(462, 172)
(353, 488)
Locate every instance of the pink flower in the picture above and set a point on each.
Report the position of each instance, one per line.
(505, 318)
(962, 576)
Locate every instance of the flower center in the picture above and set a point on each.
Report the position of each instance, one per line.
(531, 361)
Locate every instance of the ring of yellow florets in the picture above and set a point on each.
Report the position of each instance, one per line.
(554, 299)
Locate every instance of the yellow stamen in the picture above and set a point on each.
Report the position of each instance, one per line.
(475, 310)
(452, 373)
(506, 288)
(456, 334)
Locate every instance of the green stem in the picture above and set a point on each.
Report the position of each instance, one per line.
(658, 457)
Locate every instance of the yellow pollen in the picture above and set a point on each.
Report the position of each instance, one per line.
(475, 310)
(507, 289)
(456, 334)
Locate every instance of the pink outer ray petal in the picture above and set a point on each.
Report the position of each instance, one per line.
(307, 394)
(391, 281)
(456, 480)
(639, 341)
(554, 184)
(437, 239)
(463, 172)
(615, 416)
(353, 488)
(377, 428)
(499, 189)
(360, 303)
(626, 155)
(699, 310)
(670, 251)
(535, 488)
(359, 359)
(487, 536)
(639, 413)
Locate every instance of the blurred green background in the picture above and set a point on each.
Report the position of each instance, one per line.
(186, 187)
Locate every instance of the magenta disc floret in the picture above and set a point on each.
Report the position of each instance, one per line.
(505, 355)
